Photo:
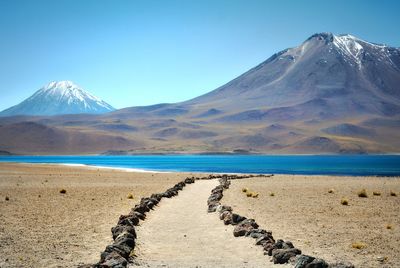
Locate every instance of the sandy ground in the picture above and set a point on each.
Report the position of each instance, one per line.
(303, 212)
(39, 227)
(180, 233)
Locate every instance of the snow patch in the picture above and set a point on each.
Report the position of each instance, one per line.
(349, 46)
(70, 93)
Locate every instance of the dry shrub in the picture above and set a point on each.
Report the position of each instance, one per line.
(393, 193)
(344, 202)
(271, 194)
(362, 193)
(254, 195)
(376, 193)
(331, 191)
(249, 194)
(7, 198)
(389, 226)
(63, 191)
(130, 196)
(358, 245)
(245, 190)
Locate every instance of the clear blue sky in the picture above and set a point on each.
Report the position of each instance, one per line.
(132, 53)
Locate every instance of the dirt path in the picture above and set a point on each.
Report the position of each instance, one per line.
(180, 233)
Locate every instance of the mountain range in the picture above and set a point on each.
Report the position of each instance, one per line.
(330, 94)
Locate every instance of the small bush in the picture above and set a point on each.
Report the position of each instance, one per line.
(7, 198)
(376, 193)
(358, 245)
(271, 194)
(362, 193)
(245, 190)
(63, 191)
(130, 196)
(389, 226)
(344, 202)
(331, 191)
(255, 195)
(249, 194)
(393, 193)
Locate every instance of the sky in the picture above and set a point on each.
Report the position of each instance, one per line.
(134, 53)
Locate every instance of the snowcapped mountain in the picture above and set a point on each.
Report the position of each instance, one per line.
(63, 97)
(327, 75)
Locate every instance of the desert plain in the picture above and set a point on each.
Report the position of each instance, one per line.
(41, 227)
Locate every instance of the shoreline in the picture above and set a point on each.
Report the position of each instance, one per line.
(142, 170)
(208, 154)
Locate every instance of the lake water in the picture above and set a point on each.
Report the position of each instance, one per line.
(385, 165)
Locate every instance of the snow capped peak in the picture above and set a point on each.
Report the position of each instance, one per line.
(349, 46)
(61, 97)
(352, 49)
(61, 85)
(68, 90)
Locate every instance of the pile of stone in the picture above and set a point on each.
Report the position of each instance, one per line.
(118, 253)
(281, 251)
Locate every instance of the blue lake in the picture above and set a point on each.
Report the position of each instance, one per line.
(385, 165)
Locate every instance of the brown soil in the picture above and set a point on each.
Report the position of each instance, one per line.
(40, 227)
(304, 212)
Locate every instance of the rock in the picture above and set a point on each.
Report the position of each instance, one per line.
(380, 259)
(302, 260)
(317, 263)
(287, 244)
(189, 180)
(215, 197)
(218, 189)
(122, 249)
(125, 239)
(341, 264)
(264, 239)
(231, 218)
(141, 208)
(170, 193)
(148, 202)
(224, 182)
(179, 186)
(131, 220)
(222, 208)
(280, 244)
(226, 216)
(212, 207)
(119, 229)
(112, 259)
(244, 226)
(156, 196)
(141, 216)
(283, 255)
(257, 233)
(268, 247)
(236, 218)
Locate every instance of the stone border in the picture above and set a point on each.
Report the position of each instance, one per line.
(281, 251)
(118, 254)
